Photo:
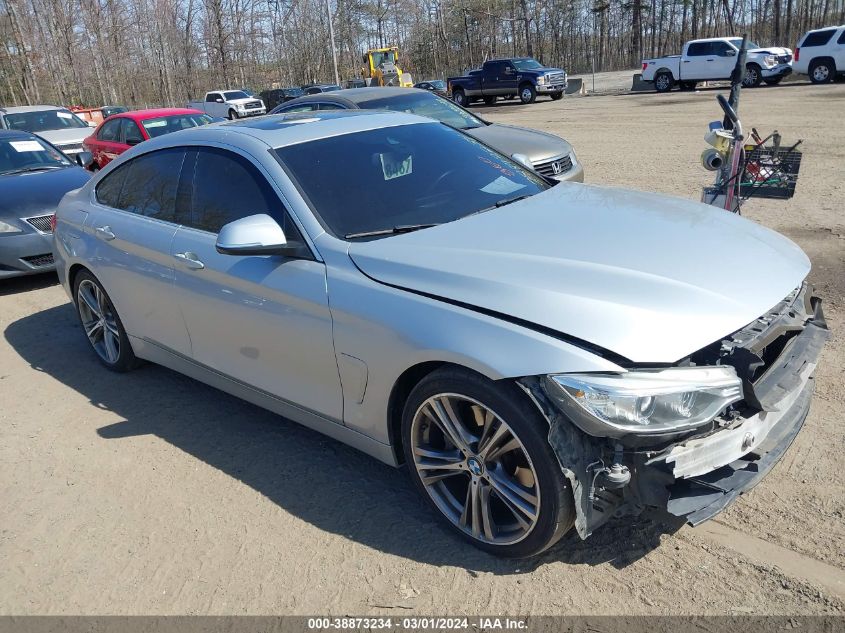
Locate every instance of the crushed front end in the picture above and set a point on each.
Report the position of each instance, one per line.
(637, 440)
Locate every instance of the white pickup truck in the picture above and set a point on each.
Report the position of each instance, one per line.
(714, 59)
(230, 104)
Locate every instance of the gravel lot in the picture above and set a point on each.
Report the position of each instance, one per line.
(149, 493)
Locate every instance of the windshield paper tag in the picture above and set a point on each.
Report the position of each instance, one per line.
(502, 186)
(393, 167)
(27, 146)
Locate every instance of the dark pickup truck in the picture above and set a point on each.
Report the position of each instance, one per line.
(521, 77)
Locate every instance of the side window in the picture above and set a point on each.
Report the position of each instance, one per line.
(331, 106)
(306, 107)
(130, 133)
(108, 191)
(698, 49)
(819, 38)
(226, 187)
(312, 91)
(110, 131)
(841, 39)
(151, 184)
(720, 48)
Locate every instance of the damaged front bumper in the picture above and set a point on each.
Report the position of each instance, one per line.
(699, 475)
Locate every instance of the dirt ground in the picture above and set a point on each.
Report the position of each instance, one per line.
(149, 493)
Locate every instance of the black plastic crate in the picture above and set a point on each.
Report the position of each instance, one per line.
(770, 172)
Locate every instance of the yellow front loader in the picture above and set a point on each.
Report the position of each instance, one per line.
(382, 68)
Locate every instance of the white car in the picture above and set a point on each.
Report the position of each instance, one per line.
(714, 59)
(229, 104)
(59, 126)
(821, 54)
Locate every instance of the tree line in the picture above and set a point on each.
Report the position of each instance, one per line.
(164, 52)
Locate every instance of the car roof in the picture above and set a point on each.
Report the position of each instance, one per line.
(281, 130)
(10, 135)
(357, 96)
(30, 108)
(154, 113)
(826, 28)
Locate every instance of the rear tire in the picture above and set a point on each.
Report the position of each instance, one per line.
(822, 70)
(753, 76)
(527, 94)
(664, 82)
(101, 324)
(506, 495)
(459, 97)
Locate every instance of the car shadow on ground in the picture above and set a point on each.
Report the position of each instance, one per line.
(319, 480)
(15, 285)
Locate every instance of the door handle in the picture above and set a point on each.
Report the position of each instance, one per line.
(104, 232)
(686, 61)
(190, 260)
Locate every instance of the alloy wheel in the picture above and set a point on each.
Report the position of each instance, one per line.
(475, 469)
(98, 320)
(662, 82)
(750, 77)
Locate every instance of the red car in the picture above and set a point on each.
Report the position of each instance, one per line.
(119, 132)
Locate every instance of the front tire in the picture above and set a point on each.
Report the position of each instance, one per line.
(527, 94)
(232, 115)
(753, 76)
(822, 71)
(557, 96)
(101, 324)
(490, 100)
(477, 451)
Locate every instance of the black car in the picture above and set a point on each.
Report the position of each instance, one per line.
(276, 96)
(435, 85)
(34, 177)
(313, 89)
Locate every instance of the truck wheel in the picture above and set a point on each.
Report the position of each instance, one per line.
(753, 76)
(774, 81)
(232, 115)
(459, 97)
(527, 94)
(490, 100)
(688, 85)
(664, 82)
(557, 96)
(822, 71)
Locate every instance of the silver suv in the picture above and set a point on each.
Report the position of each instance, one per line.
(59, 126)
(542, 355)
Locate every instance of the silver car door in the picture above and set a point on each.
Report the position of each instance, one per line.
(263, 321)
(132, 227)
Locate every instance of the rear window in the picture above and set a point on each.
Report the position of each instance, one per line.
(166, 124)
(43, 120)
(819, 38)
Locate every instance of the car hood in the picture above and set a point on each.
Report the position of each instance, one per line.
(649, 277)
(509, 140)
(66, 136)
(243, 101)
(38, 192)
(771, 50)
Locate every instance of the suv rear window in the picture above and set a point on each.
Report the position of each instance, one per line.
(819, 38)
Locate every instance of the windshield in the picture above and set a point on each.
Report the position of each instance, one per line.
(293, 92)
(329, 88)
(388, 57)
(166, 124)
(110, 110)
(738, 43)
(439, 84)
(428, 105)
(527, 64)
(235, 94)
(43, 120)
(418, 174)
(29, 154)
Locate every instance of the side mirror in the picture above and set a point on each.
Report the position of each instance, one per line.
(523, 160)
(218, 100)
(730, 52)
(83, 159)
(255, 235)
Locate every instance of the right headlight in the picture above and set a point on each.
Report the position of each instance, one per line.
(5, 227)
(645, 402)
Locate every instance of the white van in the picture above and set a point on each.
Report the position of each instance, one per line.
(821, 54)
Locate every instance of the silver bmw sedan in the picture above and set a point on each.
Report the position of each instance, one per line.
(541, 355)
